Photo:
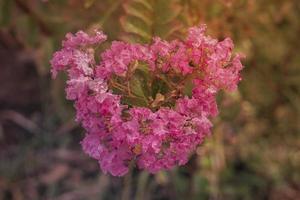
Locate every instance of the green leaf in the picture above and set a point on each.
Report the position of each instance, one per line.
(135, 25)
(168, 30)
(28, 30)
(188, 87)
(5, 12)
(144, 76)
(166, 11)
(139, 11)
(158, 86)
(151, 18)
(88, 3)
(136, 87)
(133, 101)
(145, 3)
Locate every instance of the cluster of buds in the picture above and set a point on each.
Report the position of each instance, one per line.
(147, 104)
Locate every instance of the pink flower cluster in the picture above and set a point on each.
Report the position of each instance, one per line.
(119, 135)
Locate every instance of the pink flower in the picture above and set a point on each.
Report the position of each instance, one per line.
(117, 59)
(166, 131)
(83, 39)
(72, 57)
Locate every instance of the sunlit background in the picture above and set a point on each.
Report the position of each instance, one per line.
(253, 153)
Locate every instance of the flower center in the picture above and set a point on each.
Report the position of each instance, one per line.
(141, 87)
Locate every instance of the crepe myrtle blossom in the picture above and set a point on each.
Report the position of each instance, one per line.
(146, 104)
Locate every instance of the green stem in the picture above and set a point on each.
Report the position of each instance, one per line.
(127, 183)
(141, 186)
(109, 12)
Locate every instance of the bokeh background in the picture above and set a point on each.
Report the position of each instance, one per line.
(253, 153)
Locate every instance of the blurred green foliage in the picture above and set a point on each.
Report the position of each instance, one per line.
(254, 151)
